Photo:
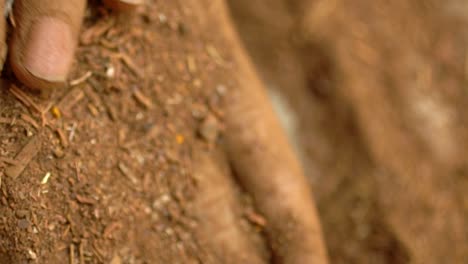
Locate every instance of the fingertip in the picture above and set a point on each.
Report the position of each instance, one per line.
(123, 5)
(3, 45)
(43, 58)
(44, 41)
(29, 79)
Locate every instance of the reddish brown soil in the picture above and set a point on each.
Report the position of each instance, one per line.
(104, 171)
(123, 169)
(379, 91)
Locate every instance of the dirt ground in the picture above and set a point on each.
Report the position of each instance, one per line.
(160, 150)
(118, 168)
(373, 94)
(101, 172)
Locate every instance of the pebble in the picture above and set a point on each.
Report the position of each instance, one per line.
(21, 213)
(32, 255)
(221, 89)
(23, 223)
(58, 153)
(209, 129)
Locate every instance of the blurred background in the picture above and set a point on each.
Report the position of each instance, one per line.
(373, 96)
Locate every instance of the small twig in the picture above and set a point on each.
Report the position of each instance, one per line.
(72, 130)
(80, 250)
(130, 64)
(110, 229)
(29, 120)
(72, 254)
(99, 100)
(28, 102)
(85, 200)
(97, 252)
(44, 120)
(24, 157)
(12, 19)
(81, 79)
(9, 160)
(70, 100)
(152, 133)
(46, 178)
(142, 99)
(213, 52)
(191, 64)
(127, 172)
(63, 138)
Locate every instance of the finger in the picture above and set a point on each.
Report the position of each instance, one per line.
(3, 46)
(44, 40)
(123, 5)
(268, 169)
(219, 213)
(265, 163)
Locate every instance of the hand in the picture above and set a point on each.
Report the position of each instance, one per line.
(44, 37)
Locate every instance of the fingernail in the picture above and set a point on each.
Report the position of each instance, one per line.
(132, 1)
(49, 49)
(123, 5)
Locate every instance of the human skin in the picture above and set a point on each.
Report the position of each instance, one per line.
(269, 172)
(43, 38)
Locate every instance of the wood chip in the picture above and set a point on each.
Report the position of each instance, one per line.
(9, 160)
(81, 253)
(63, 137)
(100, 102)
(110, 229)
(98, 252)
(94, 111)
(153, 132)
(72, 254)
(9, 121)
(92, 92)
(29, 120)
(142, 99)
(46, 178)
(256, 218)
(81, 79)
(213, 52)
(127, 172)
(70, 100)
(12, 19)
(25, 99)
(96, 31)
(191, 65)
(23, 158)
(130, 64)
(85, 200)
(108, 44)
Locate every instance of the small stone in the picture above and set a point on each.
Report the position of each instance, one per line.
(29, 133)
(209, 129)
(162, 18)
(110, 72)
(21, 213)
(23, 223)
(221, 89)
(182, 29)
(199, 111)
(32, 255)
(58, 153)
